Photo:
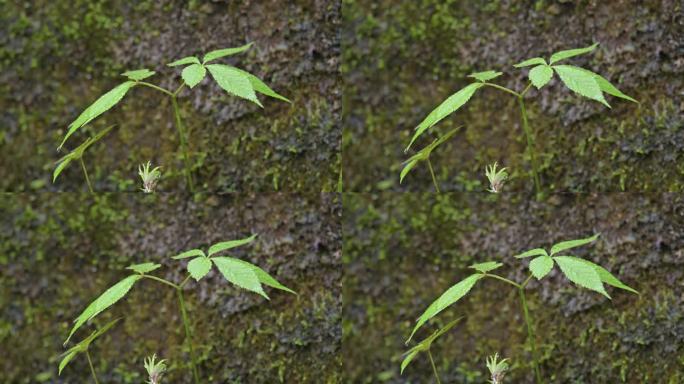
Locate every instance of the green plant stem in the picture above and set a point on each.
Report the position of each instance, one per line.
(188, 335)
(183, 143)
(434, 368)
(187, 278)
(432, 172)
(160, 89)
(513, 283)
(85, 173)
(530, 145)
(512, 92)
(92, 369)
(530, 335)
(163, 281)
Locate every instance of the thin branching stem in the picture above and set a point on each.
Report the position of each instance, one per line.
(183, 143)
(522, 94)
(432, 173)
(163, 281)
(182, 284)
(530, 335)
(158, 88)
(512, 92)
(188, 335)
(180, 88)
(513, 283)
(434, 368)
(92, 368)
(85, 173)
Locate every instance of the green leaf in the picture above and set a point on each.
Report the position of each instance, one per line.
(450, 296)
(409, 357)
(532, 252)
(144, 267)
(261, 87)
(487, 266)
(424, 153)
(184, 61)
(532, 61)
(563, 245)
(425, 344)
(580, 273)
(61, 164)
(106, 300)
(139, 74)
(540, 75)
(83, 345)
(236, 272)
(579, 81)
(608, 278)
(410, 164)
(607, 87)
(448, 106)
(541, 266)
(190, 253)
(558, 56)
(213, 55)
(265, 278)
(233, 81)
(100, 106)
(78, 152)
(222, 246)
(68, 356)
(199, 267)
(485, 76)
(193, 74)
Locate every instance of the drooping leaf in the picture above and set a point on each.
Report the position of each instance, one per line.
(410, 164)
(452, 295)
(485, 76)
(139, 74)
(143, 267)
(100, 106)
(233, 82)
(236, 272)
(199, 267)
(213, 55)
(563, 245)
(61, 164)
(184, 61)
(424, 153)
(106, 300)
(261, 87)
(487, 266)
(425, 344)
(609, 88)
(448, 106)
(608, 277)
(222, 246)
(532, 252)
(558, 56)
(410, 355)
(579, 81)
(265, 278)
(193, 74)
(581, 273)
(68, 356)
(78, 152)
(532, 61)
(83, 345)
(190, 253)
(540, 75)
(540, 266)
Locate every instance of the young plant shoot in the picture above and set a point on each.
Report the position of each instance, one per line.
(149, 177)
(496, 178)
(238, 272)
(497, 369)
(234, 81)
(579, 80)
(82, 347)
(582, 272)
(155, 369)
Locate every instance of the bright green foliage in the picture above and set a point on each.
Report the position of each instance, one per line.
(144, 267)
(486, 266)
(607, 87)
(139, 74)
(424, 154)
(580, 273)
(78, 152)
(213, 55)
(485, 76)
(532, 61)
(233, 82)
(532, 252)
(261, 87)
(540, 75)
(100, 106)
(565, 245)
(265, 278)
(558, 56)
(239, 274)
(225, 245)
(106, 300)
(190, 253)
(185, 61)
(579, 81)
(193, 74)
(425, 344)
(199, 267)
(541, 266)
(83, 345)
(449, 297)
(608, 278)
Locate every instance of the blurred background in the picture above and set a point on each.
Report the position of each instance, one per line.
(57, 57)
(402, 59)
(402, 251)
(58, 252)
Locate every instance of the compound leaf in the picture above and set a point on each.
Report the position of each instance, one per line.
(190, 253)
(540, 75)
(233, 81)
(563, 245)
(213, 55)
(608, 277)
(452, 295)
(139, 74)
(541, 266)
(222, 246)
(609, 88)
(193, 74)
(144, 267)
(236, 272)
(199, 267)
(448, 106)
(106, 300)
(581, 273)
(184, 61)
(487, 266)
(261, 87)
(485, 76)
(532, 61)
(532, 252)
(579, 81)
(570, 53)
(265, 278)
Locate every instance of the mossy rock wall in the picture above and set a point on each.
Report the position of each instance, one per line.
(401, 60)
(57, 57)
(58, 252)
(402, 251)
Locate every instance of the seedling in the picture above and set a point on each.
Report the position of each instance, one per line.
(578, 80)
(496, 178)
(424, 155)
(582, 272)
(424, 346)
(238, 272)
(149, 177)
(155, 370)
(77, 154)
(82, 347)
(235, 81)
(497, 368)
